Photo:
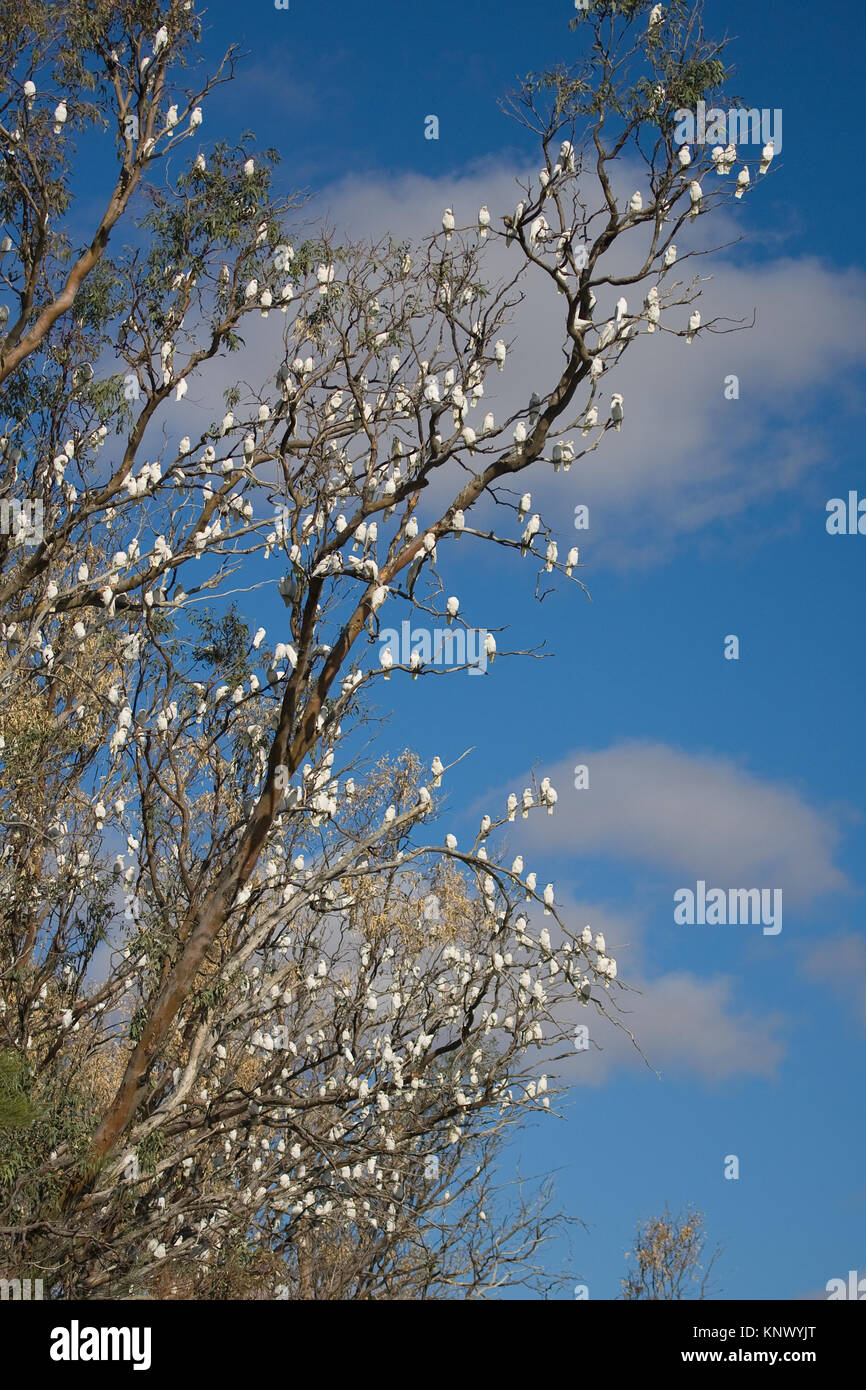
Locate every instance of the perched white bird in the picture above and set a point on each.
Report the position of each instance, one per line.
(571, 560)
(669, 256)
(599, 944)
(160, 40)
(767, 155)
(684, 156)
(60, 114)
(523, 506)
(696, 193)
(635, 203)
(743, 181)
(259, 638)
(458, 521)
(591, 419)
(251, 290)
(437, 768)
(470, 438)
(249, 168)
(520, 433)
(171, 116)
(489, 423)
(450, 841)
(452, 608)
(548, 899)
(386, 661)
(490, 647)
(483, 221)
(448, 223)
(616, 412)
(655, 18)
(499, 352)
(511, 805)
(694, 325)
(532, 527)
(517, 866)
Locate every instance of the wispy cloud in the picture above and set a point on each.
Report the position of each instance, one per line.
(698, 815)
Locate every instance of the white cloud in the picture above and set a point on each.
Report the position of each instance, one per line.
(693, 815)
(685, 458)
(683, 1024)
(841, 960)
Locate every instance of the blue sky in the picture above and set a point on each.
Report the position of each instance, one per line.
(707, 519)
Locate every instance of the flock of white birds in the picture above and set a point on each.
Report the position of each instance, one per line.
(317, 791)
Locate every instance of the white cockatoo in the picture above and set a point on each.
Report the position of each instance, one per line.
(60, 114)
(696, 193)
(571, 560)
(499, 351)
(160, 40)
(684, 156)
(532, 527)
(171, 116)
(448, 223)
(386, 661)
(636, 202)
(616, 412)
(767, 155)
(523, 506)
(452, 608)
(548, 899)
(694, 325)
(490, 647)
(437, 767)
(656, 16)
(591, 419)
(483, 221)
(669, 256)
(520, 433)
(249, 168)
(744, 178)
